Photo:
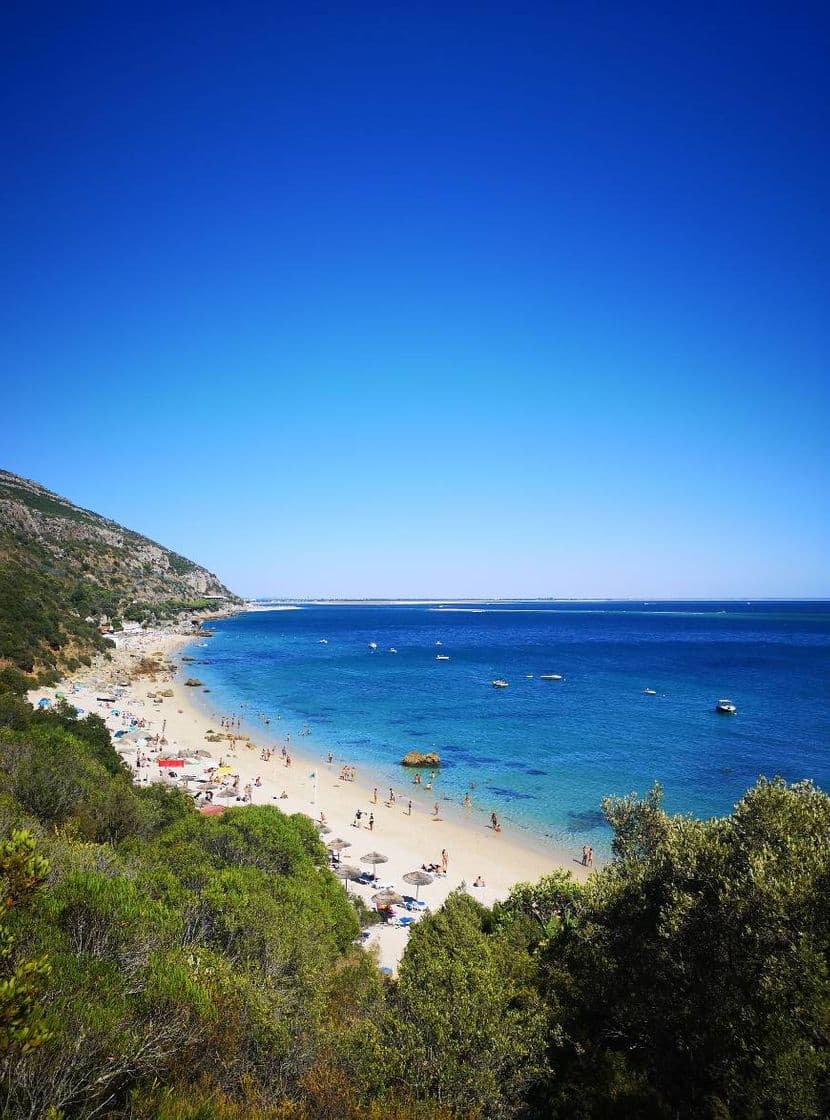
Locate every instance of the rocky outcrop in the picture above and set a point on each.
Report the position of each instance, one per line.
(427, 761)
(83, 545)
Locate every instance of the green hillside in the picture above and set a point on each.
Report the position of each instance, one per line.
(63, 567)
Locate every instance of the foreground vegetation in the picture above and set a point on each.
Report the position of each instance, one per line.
(156, 963)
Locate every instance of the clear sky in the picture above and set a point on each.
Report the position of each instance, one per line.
(451, 299)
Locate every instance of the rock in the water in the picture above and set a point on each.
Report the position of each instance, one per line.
(415, 758)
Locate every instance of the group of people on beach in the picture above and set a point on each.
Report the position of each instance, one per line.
(587, 856)
(438, 868)
(358, 817)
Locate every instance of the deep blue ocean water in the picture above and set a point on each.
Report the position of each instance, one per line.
(541, 753)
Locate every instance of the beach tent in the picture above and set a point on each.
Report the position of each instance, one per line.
(43, 702)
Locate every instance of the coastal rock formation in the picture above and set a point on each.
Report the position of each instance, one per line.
(415, 758)
(88, 577)
(100, 552)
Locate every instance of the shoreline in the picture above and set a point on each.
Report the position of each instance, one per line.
(474, 849)
(535, 845)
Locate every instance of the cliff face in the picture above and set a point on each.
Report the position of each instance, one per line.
(64, 564)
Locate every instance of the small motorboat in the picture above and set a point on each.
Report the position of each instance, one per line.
(442, 657)
(324, 641)
(373, 645)
(439, 643)
(392, 649)
(550, 676)
(500, 683)
(649, 692)
(725, 707)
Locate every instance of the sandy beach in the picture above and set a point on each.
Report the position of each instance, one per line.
(409, 837)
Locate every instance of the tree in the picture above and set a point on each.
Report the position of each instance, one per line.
(22, 1025)
(466, 1027)
(701, 958)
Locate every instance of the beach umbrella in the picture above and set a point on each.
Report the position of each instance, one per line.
(418, 879)
(374, 858)
(323, 829)
(338, 845)
(227, 792)
(387, 898)
(224, 769)
(345, 872)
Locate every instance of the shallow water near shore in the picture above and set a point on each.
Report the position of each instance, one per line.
(541, 754)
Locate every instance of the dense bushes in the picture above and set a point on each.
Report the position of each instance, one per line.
(35, 624)
(155, 963)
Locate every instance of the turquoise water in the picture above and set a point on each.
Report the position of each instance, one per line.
(541, 753)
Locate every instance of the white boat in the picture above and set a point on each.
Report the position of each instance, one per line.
(726, 707)
(324, 641)
(550, 676)
(392, 649)
(439, 643)
(442, 657)
(500, 683)
(649, 691)
(373, 645)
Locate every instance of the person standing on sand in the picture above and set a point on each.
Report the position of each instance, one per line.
(494, 820)
(409, 811)
(435, 809)
(590, 857)
(371, 822)
(584, 855)
(467, 801)
(375, 796)
(445, 860)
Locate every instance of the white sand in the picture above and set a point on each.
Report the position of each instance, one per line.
(409, 841)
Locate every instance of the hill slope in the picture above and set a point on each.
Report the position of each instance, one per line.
(62, 567)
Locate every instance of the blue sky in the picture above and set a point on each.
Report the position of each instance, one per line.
(428, 300)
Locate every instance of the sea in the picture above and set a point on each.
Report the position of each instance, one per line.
(542, 754)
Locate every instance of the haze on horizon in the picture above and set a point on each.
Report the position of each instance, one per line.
(449, 302)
